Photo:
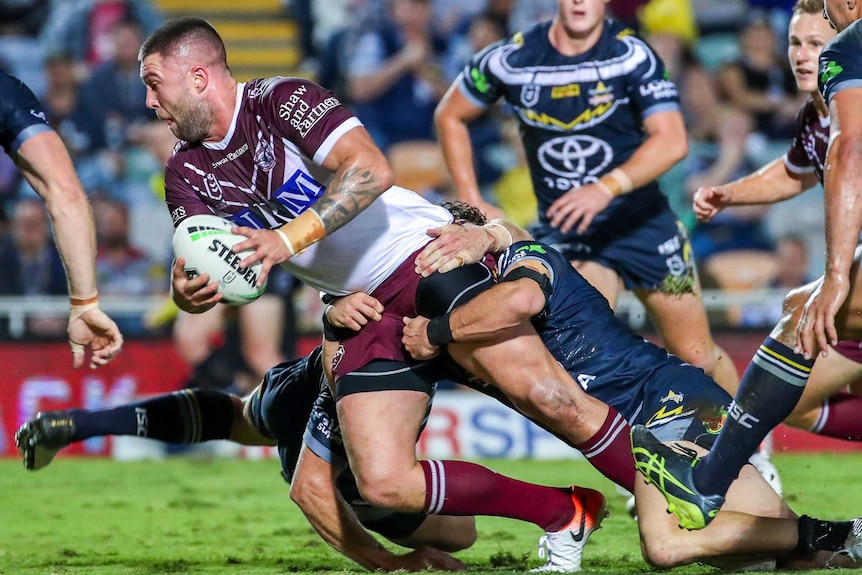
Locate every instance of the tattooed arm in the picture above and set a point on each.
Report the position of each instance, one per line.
(361, 173)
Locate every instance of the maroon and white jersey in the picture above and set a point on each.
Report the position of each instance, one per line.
(267, 170)
(807, 151)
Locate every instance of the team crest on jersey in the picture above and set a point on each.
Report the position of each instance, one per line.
(601, 95)
(264, 155)
(530, 95)
(213, 187)
(674, 397)
(714, 424)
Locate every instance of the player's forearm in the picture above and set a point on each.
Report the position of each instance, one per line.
(353, 188)
(47, 167)
(454, 137)
(332, 518)
(843, 202)
(657, 154)
(770, 184)
(490, 313)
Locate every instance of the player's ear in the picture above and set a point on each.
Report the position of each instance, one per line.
(200, 78)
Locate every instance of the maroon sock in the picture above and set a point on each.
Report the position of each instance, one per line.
(839, 417)
(463, 488)
(610, 450)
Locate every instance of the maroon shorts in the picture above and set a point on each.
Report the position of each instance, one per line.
(382, 339)
(850, 348)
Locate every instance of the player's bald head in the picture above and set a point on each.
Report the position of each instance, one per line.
(187, 38)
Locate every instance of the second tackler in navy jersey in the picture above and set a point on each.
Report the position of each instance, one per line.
(597, 349)
(580, 116)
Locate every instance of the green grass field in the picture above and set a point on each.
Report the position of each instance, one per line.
(178, 516)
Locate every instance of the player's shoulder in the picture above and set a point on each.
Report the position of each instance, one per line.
(279, 90)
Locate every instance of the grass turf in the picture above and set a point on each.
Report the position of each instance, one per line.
(213, 517)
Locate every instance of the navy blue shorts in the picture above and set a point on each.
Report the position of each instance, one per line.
(644, 253)
(682, 403)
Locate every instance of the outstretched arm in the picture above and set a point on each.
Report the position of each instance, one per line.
(313, 490)
(46, 165)
(770, 184)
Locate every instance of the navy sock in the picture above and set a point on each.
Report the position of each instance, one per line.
(187, 416)
(769, 390)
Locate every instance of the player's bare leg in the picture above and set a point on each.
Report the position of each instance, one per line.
(682, 323)
(830, 375)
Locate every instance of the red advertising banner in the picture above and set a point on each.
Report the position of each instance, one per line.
(39, 376)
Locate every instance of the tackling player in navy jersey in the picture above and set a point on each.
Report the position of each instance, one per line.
(679, 403)
(41, 156)
(815, 315)
(600, 121)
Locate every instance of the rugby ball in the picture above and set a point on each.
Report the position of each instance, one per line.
(205, 241)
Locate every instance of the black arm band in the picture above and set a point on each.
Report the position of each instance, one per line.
(439, 332)
(332, 333)
(529, 273)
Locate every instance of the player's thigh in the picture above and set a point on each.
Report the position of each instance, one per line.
(829, 375)
(751, 494)
(380, 429)
(849, 318)
(603, 278)
(261, 325)
(681, 320)
(193, 333)
(518, 364)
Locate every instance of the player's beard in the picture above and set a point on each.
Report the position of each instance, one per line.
(192, 120)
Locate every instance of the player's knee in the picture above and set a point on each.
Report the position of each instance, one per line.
(792, 308)
(462, 536)
(380, 488)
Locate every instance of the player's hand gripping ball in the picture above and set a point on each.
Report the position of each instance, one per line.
(205, 242)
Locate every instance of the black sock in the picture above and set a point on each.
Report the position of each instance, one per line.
(187, 416)
(769, 390)
(816, 535)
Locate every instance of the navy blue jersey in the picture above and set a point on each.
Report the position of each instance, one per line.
(642, 381)
(840, 65)
(281, 406)
(21, 114)
(580, 116)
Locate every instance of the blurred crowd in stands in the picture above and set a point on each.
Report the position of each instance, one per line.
(391, 61)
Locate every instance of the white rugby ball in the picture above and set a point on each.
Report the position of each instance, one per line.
(205, 241)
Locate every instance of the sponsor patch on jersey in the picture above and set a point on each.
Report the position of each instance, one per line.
(576, 157)
(659, 90)
(568, 91)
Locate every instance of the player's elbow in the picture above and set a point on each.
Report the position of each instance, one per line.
(306, 489)
(525, 299)
(660, 554)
